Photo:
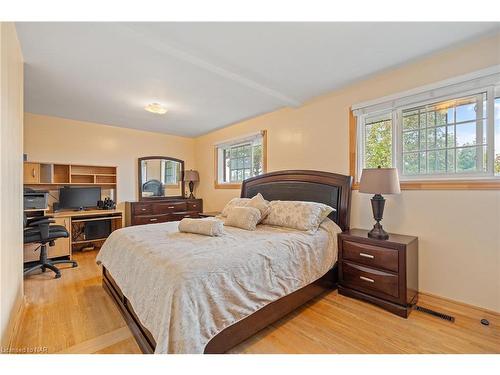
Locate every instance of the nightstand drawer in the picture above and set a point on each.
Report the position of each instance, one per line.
(368, 279)
(373, 256)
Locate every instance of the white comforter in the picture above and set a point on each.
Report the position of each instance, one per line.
(186, 288)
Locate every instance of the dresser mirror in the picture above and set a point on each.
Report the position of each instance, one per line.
(160, 177)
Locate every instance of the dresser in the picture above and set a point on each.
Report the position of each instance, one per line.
(160, 211)
(382, 272)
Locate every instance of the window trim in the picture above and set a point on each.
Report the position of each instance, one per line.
(229, 185)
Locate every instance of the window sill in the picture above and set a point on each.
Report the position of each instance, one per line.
(483, 184)
(218, 185)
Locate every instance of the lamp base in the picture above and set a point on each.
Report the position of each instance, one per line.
(191, 187)
(378, 232)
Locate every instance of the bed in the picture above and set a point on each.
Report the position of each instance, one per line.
(195, 294)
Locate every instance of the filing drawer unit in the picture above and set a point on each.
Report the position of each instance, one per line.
(382, 272)
(160, 211)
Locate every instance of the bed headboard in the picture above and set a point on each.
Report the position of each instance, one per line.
(304, 185)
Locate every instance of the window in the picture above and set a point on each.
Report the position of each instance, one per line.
(447, 137)
(239, 159)
(450, 131)
(169, 172)
(378, 141)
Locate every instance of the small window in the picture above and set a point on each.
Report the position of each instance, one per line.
(377, 141)
(239, 159)
(171, 172)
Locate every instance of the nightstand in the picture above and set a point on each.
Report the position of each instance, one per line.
(208, 214)
(382, 272)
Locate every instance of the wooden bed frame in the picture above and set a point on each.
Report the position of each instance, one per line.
(302, 185)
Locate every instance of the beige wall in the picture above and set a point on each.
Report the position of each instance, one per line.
(11, 146)
(458, 230)
(54, 139)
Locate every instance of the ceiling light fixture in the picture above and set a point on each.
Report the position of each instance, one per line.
(156, 108)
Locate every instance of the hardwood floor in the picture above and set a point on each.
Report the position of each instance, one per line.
(74, 314)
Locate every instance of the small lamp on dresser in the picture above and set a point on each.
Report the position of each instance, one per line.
(191, 177)
(379, 181)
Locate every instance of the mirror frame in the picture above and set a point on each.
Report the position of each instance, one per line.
(139, 178)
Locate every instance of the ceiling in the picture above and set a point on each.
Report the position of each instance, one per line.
(210, 75)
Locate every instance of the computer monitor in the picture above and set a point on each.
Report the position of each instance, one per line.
(79, 197)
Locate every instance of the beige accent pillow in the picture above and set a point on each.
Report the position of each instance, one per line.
(207, 227)
(297, 214)
(261, 204)
(235, 202)
(243, 217)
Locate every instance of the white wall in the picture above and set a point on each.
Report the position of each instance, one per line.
(11, 166)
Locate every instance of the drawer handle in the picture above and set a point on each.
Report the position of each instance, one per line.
(187, 215)
(194, 205)
(170, 207)
(366, 255)
(153, 219)
(143, 209)
(367, 279)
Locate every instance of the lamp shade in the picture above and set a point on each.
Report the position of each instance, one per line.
(379, 181)
(191, 175)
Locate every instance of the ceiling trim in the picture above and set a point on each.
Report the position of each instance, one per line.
(208, 66)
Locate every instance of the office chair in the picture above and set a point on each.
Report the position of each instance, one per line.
(39, 230)
(153, 186)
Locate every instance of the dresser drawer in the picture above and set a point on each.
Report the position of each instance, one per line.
(142, 208)
(369, 279)
(181, 215)
(373, 256)
(150, 219)
(194, 206)
(168, 207)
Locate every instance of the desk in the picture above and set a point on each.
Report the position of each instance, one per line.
(74, 221)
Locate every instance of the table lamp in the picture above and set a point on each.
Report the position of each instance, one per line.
(379, 181)
(191, 177)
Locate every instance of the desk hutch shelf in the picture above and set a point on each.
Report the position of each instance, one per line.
(39, 174)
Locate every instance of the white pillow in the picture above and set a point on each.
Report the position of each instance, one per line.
(261, 204)
(297, 214)
(243, 217)
(235, 202)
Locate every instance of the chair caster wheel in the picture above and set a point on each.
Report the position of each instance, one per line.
(58, 275)
(75, 265)
(44, 269)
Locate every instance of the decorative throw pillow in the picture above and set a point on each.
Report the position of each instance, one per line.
(235, 202)
(297, 214)
(243, 217)
(261, 204)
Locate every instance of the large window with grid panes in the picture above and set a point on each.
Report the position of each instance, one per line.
(451, 137)
(239, 159)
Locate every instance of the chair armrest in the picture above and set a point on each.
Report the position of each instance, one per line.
(34, 221)
(40, 222)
